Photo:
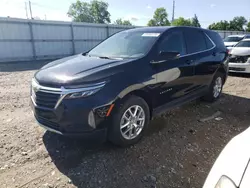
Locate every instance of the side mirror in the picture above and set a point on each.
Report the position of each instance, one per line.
(166, 56)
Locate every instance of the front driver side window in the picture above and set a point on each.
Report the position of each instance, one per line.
(173, 42)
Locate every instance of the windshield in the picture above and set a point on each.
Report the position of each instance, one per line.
(243, 44)
(126, 44)
(233, 39)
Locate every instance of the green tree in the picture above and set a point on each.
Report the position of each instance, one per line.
(237, 23)
(248, 27)
(160, 18)
(122, 22)
(195, 21)
(99, 10)
(222, 25)
(182, 22)
(93, 12)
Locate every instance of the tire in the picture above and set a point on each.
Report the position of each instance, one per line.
(215, 88)
(126, 136)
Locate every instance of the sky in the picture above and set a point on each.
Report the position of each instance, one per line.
(139, 12)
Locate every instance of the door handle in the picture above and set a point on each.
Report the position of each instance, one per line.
(189, 62)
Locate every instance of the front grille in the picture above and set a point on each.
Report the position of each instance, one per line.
(236, 69)
(47, 123)
(45, 99)
(238, 59)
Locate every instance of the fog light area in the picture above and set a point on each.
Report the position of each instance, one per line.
(91, 120)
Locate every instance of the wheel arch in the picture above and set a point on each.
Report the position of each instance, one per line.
(139, 93)
(222, 70)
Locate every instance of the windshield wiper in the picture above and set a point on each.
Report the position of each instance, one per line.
(106, 57)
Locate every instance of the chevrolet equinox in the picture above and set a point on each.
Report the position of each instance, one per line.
(113, 90)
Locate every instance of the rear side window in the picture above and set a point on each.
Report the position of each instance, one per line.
(195, 41)
(243, 44)
(208, 42)
(173, 42)
(216, 38)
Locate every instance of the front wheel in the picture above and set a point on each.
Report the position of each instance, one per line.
(129, 122)
(215, 88)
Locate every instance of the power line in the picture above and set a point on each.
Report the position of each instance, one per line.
(45, 6)
(26, 10)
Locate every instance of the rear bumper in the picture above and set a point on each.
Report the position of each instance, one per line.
(239, 67)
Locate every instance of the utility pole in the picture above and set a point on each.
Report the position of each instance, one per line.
(31, 17)
(26, 10)
(173, 11)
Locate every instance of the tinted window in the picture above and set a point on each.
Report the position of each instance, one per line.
(173, 42)
(216, 38)
(208, 42)
(233, 39)
(247, 37)
(195, 41)
(243, 44)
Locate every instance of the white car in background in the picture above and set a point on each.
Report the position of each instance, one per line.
(232, 40)
(232, 168)
(239, 59)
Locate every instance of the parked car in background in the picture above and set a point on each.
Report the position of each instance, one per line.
(231, 169)
(232, 40)
(239, 59)
(117, 87)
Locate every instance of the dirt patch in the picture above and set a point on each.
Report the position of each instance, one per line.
(178, 150)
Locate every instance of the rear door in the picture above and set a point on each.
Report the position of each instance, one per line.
(201, 50)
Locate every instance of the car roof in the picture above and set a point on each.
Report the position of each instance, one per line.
(246, 39)
(160, 29)
(149, 29)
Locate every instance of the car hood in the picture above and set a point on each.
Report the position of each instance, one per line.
(240, 51)
(232, 161)
(76, 69)
(230, 43)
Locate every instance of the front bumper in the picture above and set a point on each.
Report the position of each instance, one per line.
(100, 134)
(70, 119)
(239, 67)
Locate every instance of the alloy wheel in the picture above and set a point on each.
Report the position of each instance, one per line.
(217, 87)
(132, 122)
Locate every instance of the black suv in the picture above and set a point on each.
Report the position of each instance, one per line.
(115, 89)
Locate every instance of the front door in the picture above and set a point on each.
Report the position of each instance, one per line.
(175, 77)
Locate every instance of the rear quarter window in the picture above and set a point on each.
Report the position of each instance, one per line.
(208, 42)
(195, 41)
(216, 38)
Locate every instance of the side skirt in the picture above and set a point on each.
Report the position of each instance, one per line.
(178, 102)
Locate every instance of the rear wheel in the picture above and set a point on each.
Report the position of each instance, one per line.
(129, 122)
(215, 88)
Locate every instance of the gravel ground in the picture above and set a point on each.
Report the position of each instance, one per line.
(178, 150)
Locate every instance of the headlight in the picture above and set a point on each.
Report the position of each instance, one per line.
(84, 91)
(225, 182)
(82, 94)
